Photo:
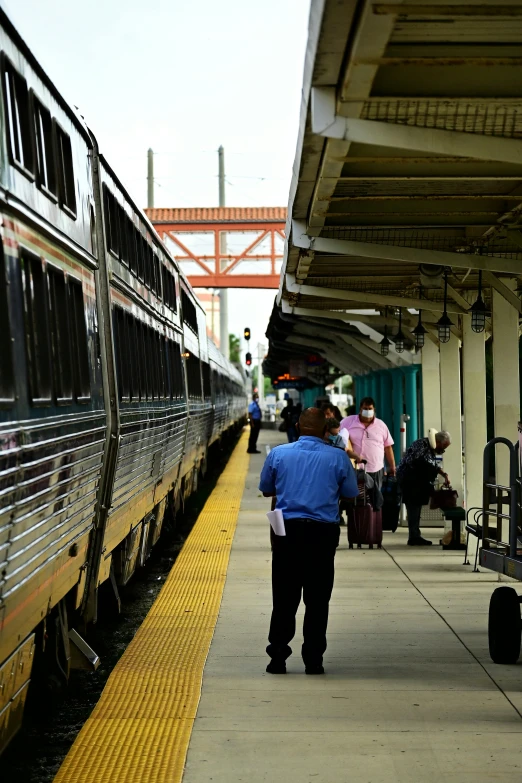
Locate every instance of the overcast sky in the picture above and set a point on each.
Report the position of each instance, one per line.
(183, 77)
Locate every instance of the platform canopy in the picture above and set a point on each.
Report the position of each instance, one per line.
(408, 168)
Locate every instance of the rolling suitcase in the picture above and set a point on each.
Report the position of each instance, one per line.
(391, 503)
(364, 524)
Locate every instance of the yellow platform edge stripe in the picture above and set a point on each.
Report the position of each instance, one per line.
(139, 731)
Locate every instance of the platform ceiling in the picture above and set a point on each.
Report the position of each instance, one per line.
(408, 162)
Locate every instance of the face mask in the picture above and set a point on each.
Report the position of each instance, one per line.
(332, 438)
(367, 414)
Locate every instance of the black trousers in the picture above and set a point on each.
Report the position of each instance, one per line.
(255, 426)
(413, 511)
(302, 566)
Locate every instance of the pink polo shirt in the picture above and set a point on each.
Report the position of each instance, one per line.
(369, 442)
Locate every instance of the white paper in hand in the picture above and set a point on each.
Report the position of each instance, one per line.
(277, 522)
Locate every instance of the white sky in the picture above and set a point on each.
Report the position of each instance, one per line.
(183, 77)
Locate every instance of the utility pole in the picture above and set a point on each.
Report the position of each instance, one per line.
(150, 178)
(223, 294)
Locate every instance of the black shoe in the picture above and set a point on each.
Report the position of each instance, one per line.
(276, 667)
(255, 451)
(317, 669)
(419, 542)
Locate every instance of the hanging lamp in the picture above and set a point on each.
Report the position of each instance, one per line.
(478, 310)
(419, 331)
(399, 337)
(444, 324)
(385, 343)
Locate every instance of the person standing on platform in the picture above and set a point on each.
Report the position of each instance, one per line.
(287, 414)
(254, 417)
(416, 473)
(371, 440)
(308, 478)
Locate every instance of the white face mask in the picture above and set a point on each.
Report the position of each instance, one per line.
(367, 414)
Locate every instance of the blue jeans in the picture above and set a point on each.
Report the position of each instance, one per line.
(291, 433)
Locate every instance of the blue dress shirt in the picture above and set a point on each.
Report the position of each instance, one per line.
(254, 409)
(308, 477)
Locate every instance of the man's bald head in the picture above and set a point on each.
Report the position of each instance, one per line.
(312, 421)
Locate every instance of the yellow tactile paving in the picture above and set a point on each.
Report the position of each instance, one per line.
(140, 729)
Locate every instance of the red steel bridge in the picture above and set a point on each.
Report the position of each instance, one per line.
(225, 247)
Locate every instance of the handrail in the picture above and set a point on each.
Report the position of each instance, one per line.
(513, 505)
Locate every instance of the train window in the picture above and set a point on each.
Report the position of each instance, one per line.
(45, 162)
(36, 328)
(177, 389)
(111, 222)
(157, 275)
(124, 256)
(80, 353)
(18, 116)
(189, 311)
(64, 160)
(122, 356)
(139, 349)
(153, 281)
(143, 258)
(60, 335)
(153, 362)
(6, 348)
(131, 246)
(169, 288)
(134, 371)
(206, 380)
(163, 365)
(139, 253)
(146, 275)
(193, 377)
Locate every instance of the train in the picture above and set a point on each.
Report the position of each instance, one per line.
(111, 392)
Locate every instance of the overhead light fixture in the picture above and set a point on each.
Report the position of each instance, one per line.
(444, 324)
(478, 310)
(385, 343)
(419, 330)
(399, 337)
(185, 355)
(419, 333)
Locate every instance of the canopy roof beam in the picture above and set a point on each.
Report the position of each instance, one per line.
(326, 122)
(369, 297)
(407, 255)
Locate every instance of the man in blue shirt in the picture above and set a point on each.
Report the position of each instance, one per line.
(254, 417)
(308, 478)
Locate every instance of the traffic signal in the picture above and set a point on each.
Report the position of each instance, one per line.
(247, 333)
(248, 359)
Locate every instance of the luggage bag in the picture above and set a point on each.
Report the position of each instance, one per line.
(391, 504)
(364, 524)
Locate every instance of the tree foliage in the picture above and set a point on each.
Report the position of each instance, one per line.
(233, 347)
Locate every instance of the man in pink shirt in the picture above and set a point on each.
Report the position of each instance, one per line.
(371, 439)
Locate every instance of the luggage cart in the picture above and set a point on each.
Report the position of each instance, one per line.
(501, 510)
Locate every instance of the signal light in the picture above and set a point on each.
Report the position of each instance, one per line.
(248, 359)
(247, 333)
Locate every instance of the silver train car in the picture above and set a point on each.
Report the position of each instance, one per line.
(111, 392)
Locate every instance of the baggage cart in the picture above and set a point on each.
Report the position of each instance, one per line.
(501, 549)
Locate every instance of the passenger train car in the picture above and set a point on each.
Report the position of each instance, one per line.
(110, 391)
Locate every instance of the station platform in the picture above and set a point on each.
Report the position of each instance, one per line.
(409, 695)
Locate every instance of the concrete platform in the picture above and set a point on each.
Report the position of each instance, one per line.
(410, 693)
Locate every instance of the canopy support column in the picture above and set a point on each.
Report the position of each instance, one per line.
(398, 410)
(412, 431)
(451, 419)
(475, 429)
(431, 386)
(506, 384)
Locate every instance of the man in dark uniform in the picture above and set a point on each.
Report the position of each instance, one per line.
(308, 478)
(254, 417)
